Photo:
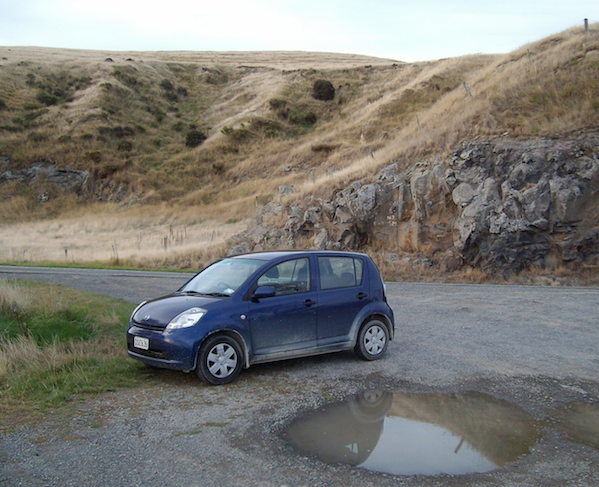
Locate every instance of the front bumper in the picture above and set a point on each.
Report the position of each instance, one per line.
(164, 351)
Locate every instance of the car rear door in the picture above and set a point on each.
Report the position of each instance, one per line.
(343, 293)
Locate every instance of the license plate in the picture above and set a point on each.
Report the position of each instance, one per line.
(141, 342)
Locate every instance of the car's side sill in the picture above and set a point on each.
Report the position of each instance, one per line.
(273, 357)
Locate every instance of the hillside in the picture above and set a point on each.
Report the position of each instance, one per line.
(162, 156)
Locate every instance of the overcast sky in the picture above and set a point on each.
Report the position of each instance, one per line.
(405, 30)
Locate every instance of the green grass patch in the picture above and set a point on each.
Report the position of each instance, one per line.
(56, 342)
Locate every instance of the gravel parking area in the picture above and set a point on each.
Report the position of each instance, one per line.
(536, 348)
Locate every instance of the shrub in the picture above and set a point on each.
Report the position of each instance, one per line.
(37, 137)
(125, 146)
(323, 90)
(277, 103)
(118, 132)
(46, 98)
(166, 85)
(171, 96)
(94, 156)
(195, 138)
(2, 104)
(302, 116)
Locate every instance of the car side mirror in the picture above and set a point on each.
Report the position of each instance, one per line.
(264, 292)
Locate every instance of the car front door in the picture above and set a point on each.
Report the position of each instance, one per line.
(286, 322)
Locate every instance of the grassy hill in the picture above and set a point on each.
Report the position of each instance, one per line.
(180, 147)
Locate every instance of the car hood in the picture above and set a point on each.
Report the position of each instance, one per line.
(160, 312)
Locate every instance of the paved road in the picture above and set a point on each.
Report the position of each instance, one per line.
(132, 286)
(536, 348)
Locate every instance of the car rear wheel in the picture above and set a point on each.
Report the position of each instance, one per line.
(219, 360)
(372, 340)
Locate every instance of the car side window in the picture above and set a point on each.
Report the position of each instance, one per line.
(289, 277)
(339, 272)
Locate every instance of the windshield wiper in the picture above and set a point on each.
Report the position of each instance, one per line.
(213, 295)
(217, 295)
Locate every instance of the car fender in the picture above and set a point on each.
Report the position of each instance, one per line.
(233, 333)
(371, 310)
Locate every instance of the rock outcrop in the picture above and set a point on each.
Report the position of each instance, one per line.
(66, 178)
(498, 204)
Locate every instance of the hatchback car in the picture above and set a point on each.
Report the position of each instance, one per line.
(262, 307)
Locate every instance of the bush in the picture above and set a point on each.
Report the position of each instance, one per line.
(125, 146)
(323, 90)
(46, 98)
(94, 156)
(195, 138)
(2, 104)
(166, 85)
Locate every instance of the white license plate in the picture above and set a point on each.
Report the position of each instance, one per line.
(141, 342)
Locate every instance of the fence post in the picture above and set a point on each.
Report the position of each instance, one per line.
(467, 89)
(586, 26)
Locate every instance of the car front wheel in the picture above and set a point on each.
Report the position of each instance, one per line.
(372, 340)
(219, 360)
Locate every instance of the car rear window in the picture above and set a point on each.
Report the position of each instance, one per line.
(339, 272)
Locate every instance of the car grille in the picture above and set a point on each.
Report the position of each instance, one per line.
(149, 353)
(149, 326)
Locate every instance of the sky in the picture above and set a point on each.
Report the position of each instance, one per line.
(403, 30)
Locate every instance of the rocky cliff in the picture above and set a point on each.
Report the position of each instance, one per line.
(500, 204)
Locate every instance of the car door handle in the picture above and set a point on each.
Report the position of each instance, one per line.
(309, 302)
(361, 296)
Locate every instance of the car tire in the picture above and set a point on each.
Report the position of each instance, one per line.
(219, 360)
(372, 340)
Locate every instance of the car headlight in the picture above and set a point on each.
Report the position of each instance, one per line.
(186, 319)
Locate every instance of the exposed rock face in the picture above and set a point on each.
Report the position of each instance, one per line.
(498, 204)
(66, 178)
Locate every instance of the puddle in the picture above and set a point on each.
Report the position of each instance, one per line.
(418, 434)
(579, 421)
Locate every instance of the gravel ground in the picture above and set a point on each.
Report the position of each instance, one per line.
(536, 348)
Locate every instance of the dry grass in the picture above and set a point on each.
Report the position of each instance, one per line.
(154, 236)
(26, 355)
(264, 130)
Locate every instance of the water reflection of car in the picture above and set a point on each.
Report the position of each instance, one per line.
(416, 434)
(263, 307)
(346, 432)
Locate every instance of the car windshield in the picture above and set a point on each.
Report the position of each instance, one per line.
(222, 278)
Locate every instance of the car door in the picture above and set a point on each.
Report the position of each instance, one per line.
(343, 293)
(286, 322)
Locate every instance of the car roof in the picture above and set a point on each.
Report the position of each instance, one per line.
(272, 255)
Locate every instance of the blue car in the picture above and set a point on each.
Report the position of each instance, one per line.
(262, 307)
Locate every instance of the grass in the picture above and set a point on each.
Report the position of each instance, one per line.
(57, 342)
(126, 123)
(138, 237)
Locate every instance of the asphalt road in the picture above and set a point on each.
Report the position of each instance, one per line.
(132, 286)
(534, 348)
